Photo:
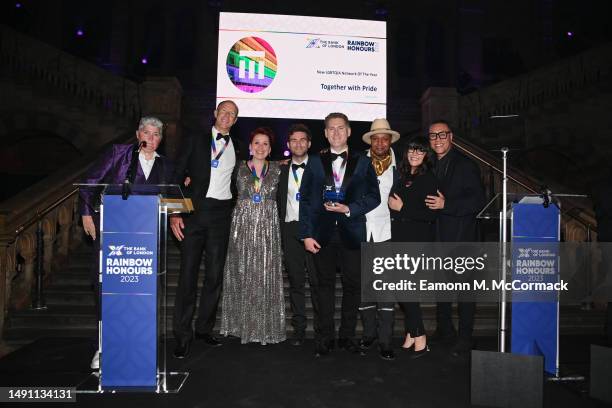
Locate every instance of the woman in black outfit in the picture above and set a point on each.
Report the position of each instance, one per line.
(412, 221)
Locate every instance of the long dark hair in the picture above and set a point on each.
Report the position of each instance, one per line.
(420, 143)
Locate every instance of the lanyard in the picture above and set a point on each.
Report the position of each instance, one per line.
(257, 180)
(296, 178)
(213, 147)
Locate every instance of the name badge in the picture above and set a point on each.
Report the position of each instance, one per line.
(256, 198)
(297, 196)
(214, 163)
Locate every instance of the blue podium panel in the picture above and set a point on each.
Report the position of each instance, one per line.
(129, 291)
(535, 324)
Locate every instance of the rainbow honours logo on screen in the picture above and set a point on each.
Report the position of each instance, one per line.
(251, 64)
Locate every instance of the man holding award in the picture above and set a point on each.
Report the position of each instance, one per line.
(338, 188)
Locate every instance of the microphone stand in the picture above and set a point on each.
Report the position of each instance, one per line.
(126, 189)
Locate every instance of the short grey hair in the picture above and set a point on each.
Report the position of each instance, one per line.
(151, 121)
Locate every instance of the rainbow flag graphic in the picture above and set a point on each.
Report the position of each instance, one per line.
(251, 64)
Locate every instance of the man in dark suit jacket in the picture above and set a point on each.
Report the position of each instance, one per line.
(338, 188)
(297, 261)
(208, 159)
(140, 164)
(460, 198)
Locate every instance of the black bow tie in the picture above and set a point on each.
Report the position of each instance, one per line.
(334, 156)
(222, 136)
(298, 166)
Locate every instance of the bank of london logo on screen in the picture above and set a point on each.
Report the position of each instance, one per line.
(251, 64)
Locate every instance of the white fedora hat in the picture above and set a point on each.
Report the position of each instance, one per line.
(380, 126)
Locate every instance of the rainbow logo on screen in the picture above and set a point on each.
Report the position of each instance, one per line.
(251, 64)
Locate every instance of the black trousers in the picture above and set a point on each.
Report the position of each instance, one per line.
(413, 320)
(386, 316)
(466, 312)
(326, 261)
(298, 263)
(381, 327)
(206, 232)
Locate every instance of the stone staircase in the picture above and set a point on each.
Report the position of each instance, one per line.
(70, 308)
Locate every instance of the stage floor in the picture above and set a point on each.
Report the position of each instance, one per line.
(282, 375)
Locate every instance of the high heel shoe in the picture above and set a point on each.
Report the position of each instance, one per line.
(416, 354)
(409, 347)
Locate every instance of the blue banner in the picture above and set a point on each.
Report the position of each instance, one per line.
(535, 238)
(129, 291)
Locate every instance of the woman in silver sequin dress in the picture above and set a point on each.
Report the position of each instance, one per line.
(253, 305)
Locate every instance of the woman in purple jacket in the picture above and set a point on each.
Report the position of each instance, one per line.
(141, 164)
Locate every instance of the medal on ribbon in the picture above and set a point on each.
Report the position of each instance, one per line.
(258, 180)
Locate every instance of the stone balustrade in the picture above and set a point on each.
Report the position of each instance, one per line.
(71, 76)
(516, 95)
(577, 216)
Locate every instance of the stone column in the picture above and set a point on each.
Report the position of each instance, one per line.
(76, 228)
(161, 97)
(64, 219)
(49, 227)
(22, 291)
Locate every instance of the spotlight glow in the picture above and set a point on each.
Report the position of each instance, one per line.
(144, 61)
(570, 34)
(17, 5)
(79, 32)
(286, 153)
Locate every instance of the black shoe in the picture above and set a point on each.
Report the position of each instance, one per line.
(323, 347)
(349, 345)
(208, 339)
(182, 349)
(463, 346)
(442, 336)
(417, 354)
(367, 342)
(297, 340)
(386, 353)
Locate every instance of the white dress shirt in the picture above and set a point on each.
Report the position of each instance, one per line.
(221, 176)
(337, 166)
(147, 165)
(293, 206)
(378, 221)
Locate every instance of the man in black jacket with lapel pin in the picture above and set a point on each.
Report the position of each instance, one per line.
(297, 260)
(338, 188)
(208, 159)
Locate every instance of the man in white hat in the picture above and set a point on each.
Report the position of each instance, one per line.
(378, 228)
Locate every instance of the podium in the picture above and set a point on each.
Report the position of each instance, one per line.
(534, 230)
(133, 278)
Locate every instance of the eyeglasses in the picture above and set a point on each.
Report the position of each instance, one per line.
(440, 135)
(417, 150)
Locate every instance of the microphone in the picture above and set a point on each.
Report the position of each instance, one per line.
(546, 196)
(131, 173)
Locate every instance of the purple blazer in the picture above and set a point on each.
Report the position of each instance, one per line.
(112, 168)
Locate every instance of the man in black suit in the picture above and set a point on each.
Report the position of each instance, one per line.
(460, 198)
(296, 258)
(208, 159)
(338, 188)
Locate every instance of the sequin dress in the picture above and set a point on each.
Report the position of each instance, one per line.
(253, 305)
